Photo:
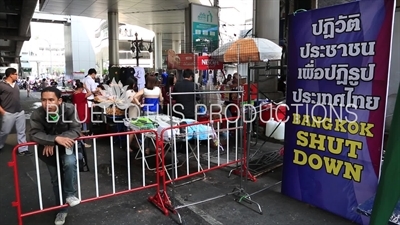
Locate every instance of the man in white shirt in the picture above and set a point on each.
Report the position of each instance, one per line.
(90, 83)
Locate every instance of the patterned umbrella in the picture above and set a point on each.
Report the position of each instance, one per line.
(248, 50)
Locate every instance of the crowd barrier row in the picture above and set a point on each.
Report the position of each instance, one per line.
(182, 153)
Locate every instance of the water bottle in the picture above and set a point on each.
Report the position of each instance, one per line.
(68, 151)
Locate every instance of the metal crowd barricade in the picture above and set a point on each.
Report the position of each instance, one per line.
(97, 189)
(205, 161)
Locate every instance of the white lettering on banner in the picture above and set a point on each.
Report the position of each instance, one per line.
(333, 50)
(328, 27)
(343, 74)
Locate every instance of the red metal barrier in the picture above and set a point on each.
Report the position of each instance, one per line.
(161, 199)
(244, 170)
(14, 165)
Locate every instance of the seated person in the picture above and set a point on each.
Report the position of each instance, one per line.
(133, 111)
(234, 99)
(152, 99)
(152, 96)
(171, 80)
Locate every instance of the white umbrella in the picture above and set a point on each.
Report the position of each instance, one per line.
(248, 50)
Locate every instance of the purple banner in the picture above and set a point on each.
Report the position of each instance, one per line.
(337, 82)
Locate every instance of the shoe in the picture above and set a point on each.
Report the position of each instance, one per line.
(60, 218)
(87, 145)
(27, 152)
(73, 201)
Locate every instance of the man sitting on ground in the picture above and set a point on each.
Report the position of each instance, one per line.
(55, 124)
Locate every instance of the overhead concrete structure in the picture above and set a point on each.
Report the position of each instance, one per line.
(166, 17)
(15, 17)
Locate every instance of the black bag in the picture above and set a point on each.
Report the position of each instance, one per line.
(114, 73)
(82, 158)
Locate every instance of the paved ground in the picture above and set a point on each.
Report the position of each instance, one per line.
(134, 208)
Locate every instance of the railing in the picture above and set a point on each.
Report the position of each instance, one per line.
(194, 148)
(41, 208)
(196, 139)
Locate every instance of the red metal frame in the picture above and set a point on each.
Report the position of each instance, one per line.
(14, 165)
(243, 170)
(161, 199)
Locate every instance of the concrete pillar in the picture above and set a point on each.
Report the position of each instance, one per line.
(158, 51)
(113, 36)
(79, 53)
(266, 19)
(69, 62)
(216, 4)
(38, 69)
(176, 46)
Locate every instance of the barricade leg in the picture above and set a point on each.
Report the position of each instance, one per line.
(17, 202)
(243, 169)
(161, 199)
(241, 196)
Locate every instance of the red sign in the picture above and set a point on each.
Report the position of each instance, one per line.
(207, 63)
(181, 61)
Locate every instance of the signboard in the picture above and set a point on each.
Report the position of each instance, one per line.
(337, 82)
(27, 69)
(208, 63)
(181, 61)
(205, 28)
